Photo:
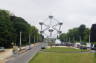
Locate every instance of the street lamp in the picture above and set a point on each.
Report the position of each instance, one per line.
(89, 37)
(34, 38)
(29, 41)
(20, 40)
(80, 39)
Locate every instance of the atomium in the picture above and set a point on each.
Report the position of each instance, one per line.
(51, 28)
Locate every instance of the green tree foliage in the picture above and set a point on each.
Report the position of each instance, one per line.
(63, 37)
(20, 25)
(86, 34)
(10, 28)
(36, 37)
(6, 28)
(82, 29)
(73, 35)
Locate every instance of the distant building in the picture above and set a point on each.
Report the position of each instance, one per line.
(57, 41)
(77, 45)
(88, 45)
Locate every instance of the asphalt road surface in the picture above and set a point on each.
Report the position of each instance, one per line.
(27, 56)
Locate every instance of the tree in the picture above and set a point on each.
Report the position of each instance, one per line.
(36, 37)
(86, 35)
(63, 37)
(74, 34)
(82, 28)
(10, 28)
(20, 25)
(93, 33)
(5, 28)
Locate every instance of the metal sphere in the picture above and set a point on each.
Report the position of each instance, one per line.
(41, 23)
(59, 32)
(60, 23)
(51, 30)
(41, 32)
(50, 17)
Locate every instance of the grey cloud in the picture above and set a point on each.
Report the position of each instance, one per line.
(71, 12)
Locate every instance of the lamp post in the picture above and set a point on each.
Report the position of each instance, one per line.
(34, 40)
(80, 39)
(89, 41)
(29, 41)
(37, 37)
(89, 38)
(20, 40)
(69, 39)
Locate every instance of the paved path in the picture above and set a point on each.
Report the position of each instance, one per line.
(5, 53)
(25, 57)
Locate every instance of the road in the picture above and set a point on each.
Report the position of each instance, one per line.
(25, 57)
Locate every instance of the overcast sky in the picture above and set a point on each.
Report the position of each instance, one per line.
(71, 12)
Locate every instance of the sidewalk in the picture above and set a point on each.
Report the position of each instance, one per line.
(3, 55)
(8, 53)
(26, 56)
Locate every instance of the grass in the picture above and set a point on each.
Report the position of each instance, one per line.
(63, 49)
(47, 57)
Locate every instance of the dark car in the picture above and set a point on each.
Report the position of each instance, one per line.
(94, 48)
(83, 47)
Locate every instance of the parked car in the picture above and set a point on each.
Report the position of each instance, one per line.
(93, 48)
(83, 47)
(43, 47)
(2, 49)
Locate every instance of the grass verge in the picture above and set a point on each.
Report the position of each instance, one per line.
(47, 57)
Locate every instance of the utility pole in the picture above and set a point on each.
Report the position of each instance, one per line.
(80, 39)
(34, 40)
(29, 41)
(37, 38)
(89, 38)
(69, 39)
(20, 39)
(73, 39)
(29, 38)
